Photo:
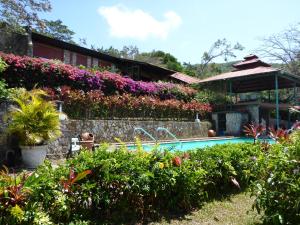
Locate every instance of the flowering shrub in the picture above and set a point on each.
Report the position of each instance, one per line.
(23, 71)
(94, 104)
(131, 185)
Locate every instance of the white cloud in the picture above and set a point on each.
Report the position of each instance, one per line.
(138, 24)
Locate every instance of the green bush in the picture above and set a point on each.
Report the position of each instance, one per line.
(212, 97)
(4, 91)
(3, 65)
(124, 185)
(3, 85)
(277, 190)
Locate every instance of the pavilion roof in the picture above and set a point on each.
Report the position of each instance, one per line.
(252, 74)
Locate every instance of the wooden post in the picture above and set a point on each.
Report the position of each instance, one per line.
(230, 94)
(277, 100)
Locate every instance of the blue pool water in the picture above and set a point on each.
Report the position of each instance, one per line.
(188, 145)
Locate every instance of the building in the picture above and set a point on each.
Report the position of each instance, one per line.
(244, 85)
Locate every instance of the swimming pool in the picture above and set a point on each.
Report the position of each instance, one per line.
(193, 144)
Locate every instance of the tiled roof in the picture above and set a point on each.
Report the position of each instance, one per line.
(185, 78)
(241, 73)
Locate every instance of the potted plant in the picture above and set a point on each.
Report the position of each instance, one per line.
(35, 121)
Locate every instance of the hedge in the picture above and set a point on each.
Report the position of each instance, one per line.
(127, 186)
(24, 71)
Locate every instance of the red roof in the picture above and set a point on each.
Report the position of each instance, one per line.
(185, 78)
(249, 62)
(241, 73)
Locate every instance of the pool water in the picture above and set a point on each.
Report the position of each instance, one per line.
(188, 145)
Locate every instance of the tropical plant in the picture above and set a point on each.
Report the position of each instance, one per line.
(13, 196)
(254, 130)
(277, 185)
(4, 92)
(34, 120)
(3, 65)
(280, 135)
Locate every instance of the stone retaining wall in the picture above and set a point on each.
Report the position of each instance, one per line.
(107, 130)
(104, 131)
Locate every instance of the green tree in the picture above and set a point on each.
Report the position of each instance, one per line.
(220, 48)
(18, 14)
(162, 59)
(56, 29)
(15, 15)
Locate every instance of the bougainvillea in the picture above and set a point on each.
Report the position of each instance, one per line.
(94, 104)
(23, 71)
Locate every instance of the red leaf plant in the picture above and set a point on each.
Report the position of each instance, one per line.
(73, 178)
(176, 161)
(13, 191)
(254, 130)
(280, 135)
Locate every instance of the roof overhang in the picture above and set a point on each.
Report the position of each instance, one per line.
(256, 79)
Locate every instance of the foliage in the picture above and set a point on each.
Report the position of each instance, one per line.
(94, 104)
(278, 186)
(4, 92)
(254, 130)
(23, 13)
(212, 97)
(160, 58)
(220, 48)
(132, 185)
(279, 135)
(56, 29)
(13, 195)
(34, 120)
(28, 72)
(3, 65)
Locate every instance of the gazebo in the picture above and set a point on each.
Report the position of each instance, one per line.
(253, 75)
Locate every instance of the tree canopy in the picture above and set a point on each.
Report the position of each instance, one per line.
(25, 13)
(283, 48)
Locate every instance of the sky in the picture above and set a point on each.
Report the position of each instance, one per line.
(184, 28)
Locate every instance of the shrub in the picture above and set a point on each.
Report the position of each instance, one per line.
(4, 92)
(23, 71)
(94, 104)
(278, 185)
(124, 185)
(212, 97)
(34, 120)
(3, 65)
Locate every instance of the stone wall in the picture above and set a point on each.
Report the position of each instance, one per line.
(107, 130)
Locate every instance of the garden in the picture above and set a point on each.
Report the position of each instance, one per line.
(132, 186)
(124, 186)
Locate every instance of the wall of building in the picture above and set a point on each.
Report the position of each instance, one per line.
(48, 52)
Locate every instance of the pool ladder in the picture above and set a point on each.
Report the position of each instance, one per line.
(171, 134)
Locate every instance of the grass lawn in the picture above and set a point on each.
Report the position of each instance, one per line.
(236, 210)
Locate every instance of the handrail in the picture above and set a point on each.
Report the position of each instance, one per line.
(171, 134)
(145, 132)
